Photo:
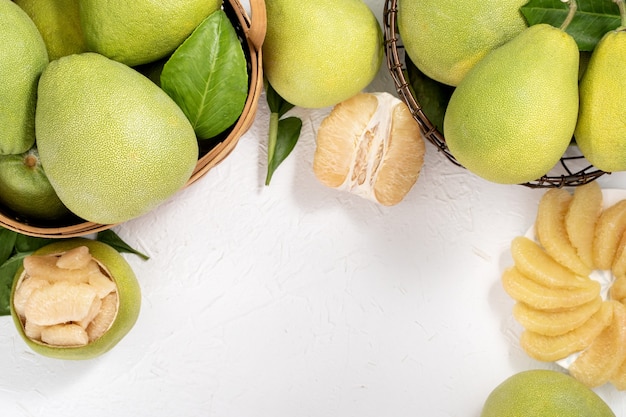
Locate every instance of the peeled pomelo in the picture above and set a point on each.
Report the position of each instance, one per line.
(113, 144)
(370, 145)
(68, 319)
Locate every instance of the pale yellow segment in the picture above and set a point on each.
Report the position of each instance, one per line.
(535, 263)
(525, 290)
(581, 217)
(552, 233)
(618, 289)
(553, 348)
(555, 322)
(609, 231)
(596, 365)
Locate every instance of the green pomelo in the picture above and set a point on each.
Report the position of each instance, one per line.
(59, 24)
(25, 189)
(319, 53)
(128, 293)
(141, 31)
(113, 144)
(513, 116)
(446, 38)
(544, 393)
(601, 129)
(24, 57)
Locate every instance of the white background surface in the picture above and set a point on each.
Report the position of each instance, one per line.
(297, 300)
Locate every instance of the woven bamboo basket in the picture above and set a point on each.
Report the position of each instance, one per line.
(252, 34)
(573, 170)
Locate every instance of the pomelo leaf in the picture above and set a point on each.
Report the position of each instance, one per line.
(7, 272)
(207, 76)
(592, 20)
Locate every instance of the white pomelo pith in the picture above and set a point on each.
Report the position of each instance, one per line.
(113, 145)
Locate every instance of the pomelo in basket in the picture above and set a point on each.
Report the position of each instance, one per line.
(544, 393)
(319, 53)
(74, 299)
(113, 145)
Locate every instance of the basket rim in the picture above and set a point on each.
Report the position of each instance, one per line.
(253, 33)
(396, 67)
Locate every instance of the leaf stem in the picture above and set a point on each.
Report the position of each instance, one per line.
(622, 13)
(271, 144)
(573, 7)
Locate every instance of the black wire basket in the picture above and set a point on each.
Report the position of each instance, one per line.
(573, 169)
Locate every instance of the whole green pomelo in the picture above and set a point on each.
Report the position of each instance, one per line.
(513, 116)
(319, 53)
(544, 393)
(128, 295)
(25, 189)
(601, 129)
(24, 57)
(59, 24)
(113, 144)
(446, 38)
(141, 31)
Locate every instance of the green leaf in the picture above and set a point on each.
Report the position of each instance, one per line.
(288, 133)
(275, 102)
(7, 243)
(7, 272)
(112, 239)
(25, 243)
(207, 76)
(593, 18)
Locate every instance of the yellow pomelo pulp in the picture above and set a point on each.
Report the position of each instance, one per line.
(446, 38)
(544, 393)
(319, 53)
(112, 143)
(601, 127)
(128, 294)
(24, 57)
(59, 24)
(141, 31)
(370, 145)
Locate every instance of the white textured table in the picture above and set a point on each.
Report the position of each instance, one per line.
(296, 300)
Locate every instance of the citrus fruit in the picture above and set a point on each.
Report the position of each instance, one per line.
(74, 299)
(545, 393)
(553, 348)
(446, 45)
(580, 220)
(609, 230)
(597, 363)
(24, 57)
(552, 231)
(25, 189)
(319, 53)
(557, 321)
(59, 24)
(141, 31)
(513, 116)
(370, 145)
(533, 262)
(113, 144)
(600, 130)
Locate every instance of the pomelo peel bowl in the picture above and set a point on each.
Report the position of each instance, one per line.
(74, 299)
(250, 33)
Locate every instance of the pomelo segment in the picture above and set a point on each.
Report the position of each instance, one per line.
(75, 319)
(581, 217)
(555, 322)
(609, 231)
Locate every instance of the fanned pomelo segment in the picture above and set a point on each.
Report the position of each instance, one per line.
(553, 348)
(523, 289)
(74, 318)
(370, 145)
(618, 289)
(581, 217)
(552, 233)
(533, 262)
(555, 322)
(596, 365)
(609, 231)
